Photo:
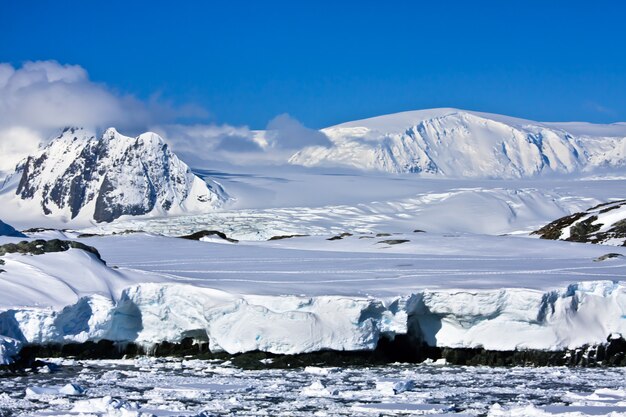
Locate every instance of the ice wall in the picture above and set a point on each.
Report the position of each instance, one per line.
(583, 313)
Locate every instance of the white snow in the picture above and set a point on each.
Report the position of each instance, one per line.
(484, 210)
(459, 143)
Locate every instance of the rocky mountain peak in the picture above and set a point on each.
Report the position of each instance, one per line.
(103, 178)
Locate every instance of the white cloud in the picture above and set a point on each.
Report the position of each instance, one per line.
(198, 144)
(15, 143)
(202, 144)
(46, 94)
(41, 97)
(285, 132)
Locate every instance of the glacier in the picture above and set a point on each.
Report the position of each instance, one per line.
(513, 319)
(278, 300)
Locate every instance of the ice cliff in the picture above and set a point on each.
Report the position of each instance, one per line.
(125, 309)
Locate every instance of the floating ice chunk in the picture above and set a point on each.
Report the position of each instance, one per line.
(394, 386)
(400, 408)
(108, 406)
(556, 410)
(438, 362)
(316, 370)
(69, 389)
(9, 348)
(318, 389)
(598, 398)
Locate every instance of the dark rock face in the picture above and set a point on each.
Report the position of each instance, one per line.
(39, 247)
(580, 231)
(591, 226)
(340, 236)
(401, 349)
(554, 230)
(206, 233)
(111, 176)
(394, 241)
(282, 237)
(108, 208)
(608, 256)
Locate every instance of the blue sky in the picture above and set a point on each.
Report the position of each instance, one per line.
(325, 62)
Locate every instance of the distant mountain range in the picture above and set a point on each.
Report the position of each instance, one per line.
(81, 176)
(457, 143)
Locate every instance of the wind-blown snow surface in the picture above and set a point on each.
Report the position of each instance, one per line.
(332, 203)
(457, 143)
(78, 177)
(310, 294)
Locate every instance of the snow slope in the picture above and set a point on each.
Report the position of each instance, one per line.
(458, 143)
(78, 177)
(495, 207)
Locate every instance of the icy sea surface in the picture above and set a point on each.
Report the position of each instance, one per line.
(175, 387)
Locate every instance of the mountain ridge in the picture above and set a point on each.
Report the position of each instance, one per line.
(458, 143)
(79, 175)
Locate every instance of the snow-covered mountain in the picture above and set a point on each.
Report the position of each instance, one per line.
(80, 176)
(603, 224)
(457, 143)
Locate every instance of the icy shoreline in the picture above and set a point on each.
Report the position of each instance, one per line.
(289, 297)
(506, 320)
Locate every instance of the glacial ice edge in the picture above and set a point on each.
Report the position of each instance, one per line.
(502, 320)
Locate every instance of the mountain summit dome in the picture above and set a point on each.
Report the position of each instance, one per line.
(457, 143)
